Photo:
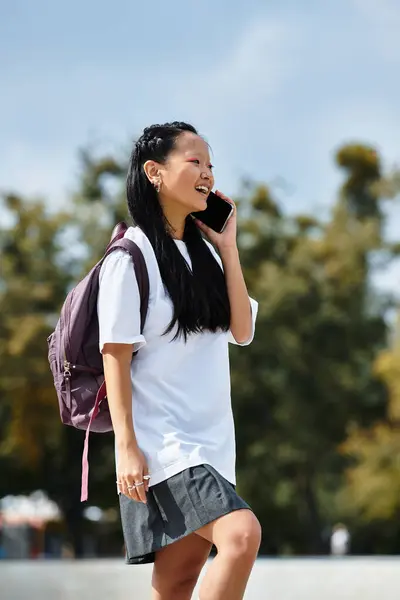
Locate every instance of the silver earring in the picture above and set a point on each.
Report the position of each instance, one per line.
(157, 183)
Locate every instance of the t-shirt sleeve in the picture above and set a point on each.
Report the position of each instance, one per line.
(118, 302)
(253, 305)
(254, 310)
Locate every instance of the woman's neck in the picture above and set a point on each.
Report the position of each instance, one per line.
(176, 220)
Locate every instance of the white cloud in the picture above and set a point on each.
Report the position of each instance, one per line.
(273, 102)
(382, 11)
(383, 16)
(247, 73)
(256, 64)
(225, 98)
(233, 100)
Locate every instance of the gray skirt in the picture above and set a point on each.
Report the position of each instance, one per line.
(175, 508)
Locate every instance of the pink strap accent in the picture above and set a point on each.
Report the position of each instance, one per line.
(101, 394)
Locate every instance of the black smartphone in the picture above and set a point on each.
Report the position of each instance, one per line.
(217, 213)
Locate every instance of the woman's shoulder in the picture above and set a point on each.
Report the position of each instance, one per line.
(136, 234)
(119, 259)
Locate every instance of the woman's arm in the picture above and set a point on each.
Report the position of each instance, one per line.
(119, 335)
(117, 371)
(131, 463)
(241, 318)
(241, 312)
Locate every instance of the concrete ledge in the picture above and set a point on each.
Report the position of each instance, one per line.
(351, 578)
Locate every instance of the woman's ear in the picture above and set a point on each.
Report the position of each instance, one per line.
(151, 168)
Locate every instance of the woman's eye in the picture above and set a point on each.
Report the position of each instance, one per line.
(197, 162)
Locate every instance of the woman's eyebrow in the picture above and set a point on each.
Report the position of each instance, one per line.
(197, 156)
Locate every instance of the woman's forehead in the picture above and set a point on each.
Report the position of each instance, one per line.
(190, 143)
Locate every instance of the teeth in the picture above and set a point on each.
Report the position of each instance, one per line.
(202, 188)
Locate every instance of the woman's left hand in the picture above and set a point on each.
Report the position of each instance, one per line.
(226, 239)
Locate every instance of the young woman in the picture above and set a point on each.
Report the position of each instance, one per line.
(171, 406)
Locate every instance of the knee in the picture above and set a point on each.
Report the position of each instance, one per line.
(243, 541)
(178, 584)
(183, 585)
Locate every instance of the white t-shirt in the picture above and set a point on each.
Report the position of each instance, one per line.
(181, 400)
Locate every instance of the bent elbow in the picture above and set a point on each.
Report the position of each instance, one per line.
(242, 336)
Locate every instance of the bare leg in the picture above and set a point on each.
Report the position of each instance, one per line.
(237, 537)
(177, 568)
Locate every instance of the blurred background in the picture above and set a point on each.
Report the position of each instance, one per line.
(301, 105)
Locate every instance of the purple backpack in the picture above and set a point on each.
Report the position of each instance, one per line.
(74, 356)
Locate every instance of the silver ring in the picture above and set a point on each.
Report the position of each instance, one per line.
(131, 487)
(146, 477)
(139, 484)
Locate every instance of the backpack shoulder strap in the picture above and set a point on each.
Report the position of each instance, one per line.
(142, 275)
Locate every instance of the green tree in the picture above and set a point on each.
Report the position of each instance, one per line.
(308, 378)
(32, 285)
(371, 496)
(309, 372)
(99, 204)
(36, 451)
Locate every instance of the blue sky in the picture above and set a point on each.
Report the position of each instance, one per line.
(275, 86)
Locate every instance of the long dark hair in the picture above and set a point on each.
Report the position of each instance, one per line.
(199, 295)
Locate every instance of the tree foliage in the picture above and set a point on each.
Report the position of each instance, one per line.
(316, 396)
(373, 479)
(32, 285)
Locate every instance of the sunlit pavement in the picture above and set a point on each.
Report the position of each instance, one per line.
(280, 579)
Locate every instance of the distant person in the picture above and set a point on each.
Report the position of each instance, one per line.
(171, 405)
(340, 540)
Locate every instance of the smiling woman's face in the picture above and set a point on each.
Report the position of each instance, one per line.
(187, 167)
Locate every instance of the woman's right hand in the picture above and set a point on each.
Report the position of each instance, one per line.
(131, 470)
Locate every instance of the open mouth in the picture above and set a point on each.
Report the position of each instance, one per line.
(202, 189)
